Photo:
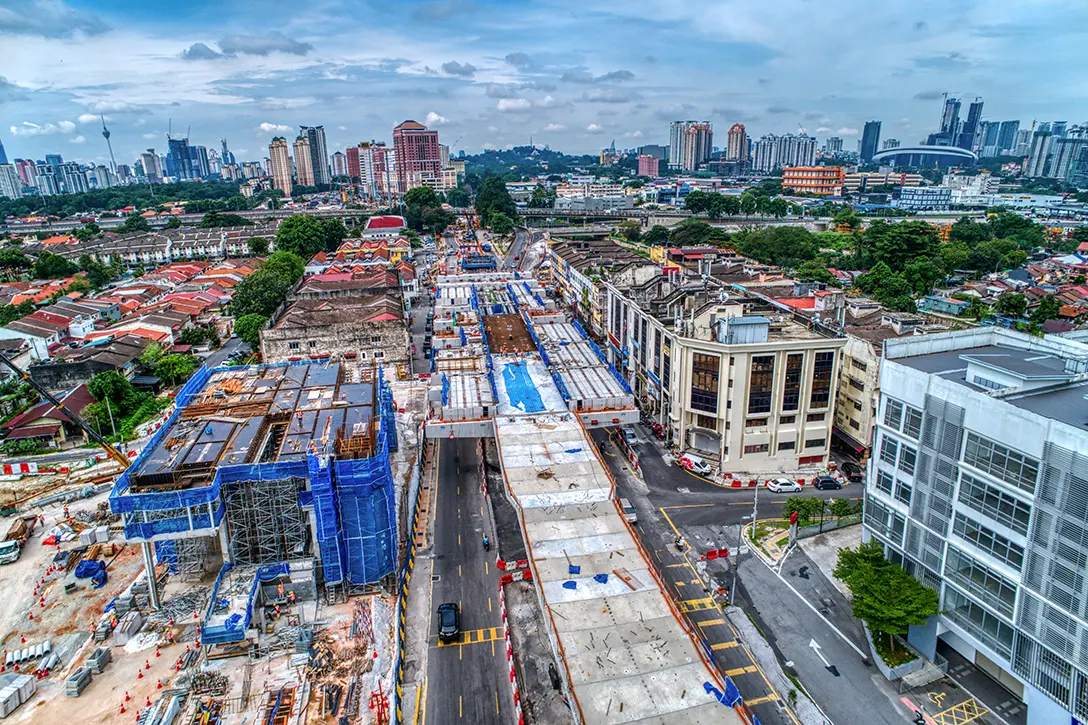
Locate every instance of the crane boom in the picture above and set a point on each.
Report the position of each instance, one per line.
(115, 454)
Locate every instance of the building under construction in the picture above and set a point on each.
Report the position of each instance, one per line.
(271, 470)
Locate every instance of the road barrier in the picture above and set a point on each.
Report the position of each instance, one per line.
(519, 715)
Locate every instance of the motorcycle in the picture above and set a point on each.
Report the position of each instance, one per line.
(487, 543)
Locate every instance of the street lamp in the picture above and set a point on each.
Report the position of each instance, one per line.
(736, 559)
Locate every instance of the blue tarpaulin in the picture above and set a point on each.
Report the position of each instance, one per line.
(520, 389)
(88, 568)
(570, 585)
(600, 578)
(574, 568)
(729, 698)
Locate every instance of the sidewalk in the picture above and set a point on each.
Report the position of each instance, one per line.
(413, 698)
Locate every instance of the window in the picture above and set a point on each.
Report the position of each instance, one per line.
(313, 344)
(986, 539)
(889, 448)
(902, 492)
(791, 394)
(755, 422)
(815, 417)
(666, 364)
(787, 420)
(987, 383)
(757, 448)
(855, 363)
(856, 404)
(893, 414)
(761, 384)
(903, 418)
(856, 384)
(362, 356)
(815, 442)
(1004, 463)
(912, 424)
(292, 346)
(706, 421)
(907, 458)
(787, 445)
(854, 424)
(821, 379)
(975, 619)
(704, 382)
(885, 482)
(980, 580)
(375, 339)
(999, 506)
(379, 355)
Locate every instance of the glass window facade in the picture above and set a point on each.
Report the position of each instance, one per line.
(980, 580)
(761, 384)
(988, 540)
(822, 369)
(979, 622)
(1001, 462)
(704, 382)
(791, 393)
(999, 506)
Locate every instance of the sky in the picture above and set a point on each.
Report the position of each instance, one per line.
(487, 74)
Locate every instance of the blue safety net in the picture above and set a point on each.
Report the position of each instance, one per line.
(327, 532)
(235, 624)
(520, 388)
(445, 390)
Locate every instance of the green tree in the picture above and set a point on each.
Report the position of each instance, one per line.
(151, 355)
(1012, 305)
(87, 232)
(1047, 309)
(814, 270)
(436, 220)
(248, 328)
(840, 507)
(846, 217)
(99, 275)
(783, 246)
(194, 335)
(900, 243)
(301, 235)
(12, 261)
(631, 230)
(748, 204)
(808, 508)
(458, 198)
(1008, 225)
(260, 293)
(110, 385)
(53, 266)
(172, 223)
(258, 246)
(333, 233)
(921, 274)
(500, 223)
(656, 236)
(289, 266)
(492, 197)
(543, 197)
(968, 232)
(176, 368)
(134, 223)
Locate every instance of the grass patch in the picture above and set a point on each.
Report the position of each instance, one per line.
(755, 624)
(766, 527)
(892, 657)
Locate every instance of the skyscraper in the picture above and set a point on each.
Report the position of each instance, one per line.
(179, 159)
(870, 141)
(1006, 136)
(54, 160)
(1035, 164)
(47, 180)
(677, 129)
(698, 145)
(986, 139)
(965, 137)
(736, 144)
(1068, 152)
(376, 162)
(319, 154)
(772, 152)
(3, 154)
(1023, 141)
(1057, 128)
(152, 169)
(228, 157)
(339, 168)
(198, 155)
(416, 152)
(353, 170)
(11, 186)
(950, 124)
(281, 165)
(833, 145)
(304, 169)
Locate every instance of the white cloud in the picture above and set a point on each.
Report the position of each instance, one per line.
(48, 129)
(633, 134)
(594, 128)
(555, 127)
(547, 102)
(844, 131)
(514, 105)
(823, 129)
(151, 136)
(77, 139)
(86, 118)
(267, 127)
(342, 128)
(435, 119)
(117, 107)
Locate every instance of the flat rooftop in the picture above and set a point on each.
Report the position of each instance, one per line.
(259, 414)
(507, 334)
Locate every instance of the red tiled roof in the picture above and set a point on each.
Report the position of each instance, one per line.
(35, 431)
(799, 303)
(385, 222)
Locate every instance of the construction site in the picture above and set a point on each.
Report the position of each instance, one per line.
(242, 567)
(516, 369)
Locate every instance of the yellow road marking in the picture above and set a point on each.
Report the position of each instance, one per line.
(697, 605)
(710, 622)
(475, 636)
(766, 698)
(724, 645)
(496, 702)
(460, 706)
(742, 671)
(962, 713)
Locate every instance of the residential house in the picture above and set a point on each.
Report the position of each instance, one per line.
(51, 426)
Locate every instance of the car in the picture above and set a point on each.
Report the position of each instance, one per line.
(696, 465)
(826, 483)
(449, 621)
(629, 436)
(853, 472)
(628, 511)
(783, 485)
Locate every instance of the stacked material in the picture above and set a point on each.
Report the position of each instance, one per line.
(15, 690)
(127, 628)
(77, 682)
(98, 660)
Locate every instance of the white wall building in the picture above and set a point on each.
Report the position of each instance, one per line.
(978, 485)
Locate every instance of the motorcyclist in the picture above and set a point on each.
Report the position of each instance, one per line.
(487, 543)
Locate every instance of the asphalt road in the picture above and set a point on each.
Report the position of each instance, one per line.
(467, 680)
(516, 252)
(230, 347)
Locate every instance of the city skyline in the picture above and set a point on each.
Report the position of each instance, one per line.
(573, 84)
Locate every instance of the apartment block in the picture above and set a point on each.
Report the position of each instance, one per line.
(978, 487)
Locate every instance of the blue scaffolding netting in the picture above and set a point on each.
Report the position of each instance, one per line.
(235, 625)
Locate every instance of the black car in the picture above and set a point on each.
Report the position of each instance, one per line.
(826, 483)
(449, 621)
(853, 472)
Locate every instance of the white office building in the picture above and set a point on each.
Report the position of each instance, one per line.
(978, 485)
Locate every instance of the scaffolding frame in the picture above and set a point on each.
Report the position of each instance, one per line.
(192, 556)
(265, 521)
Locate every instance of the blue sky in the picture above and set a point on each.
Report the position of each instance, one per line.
(573, 75)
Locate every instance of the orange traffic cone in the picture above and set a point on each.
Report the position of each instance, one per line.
(127, 697)
(157, 653)
(140, 675)
(159, 685)
(122, 708)
(147, 664)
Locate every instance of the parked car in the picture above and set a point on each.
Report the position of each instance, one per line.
(783, 485)
(853, 472)
(449, 621)
(827, 483)
(628, 511)
(696, 465)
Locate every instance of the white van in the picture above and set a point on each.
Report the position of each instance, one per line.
(628, 511)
